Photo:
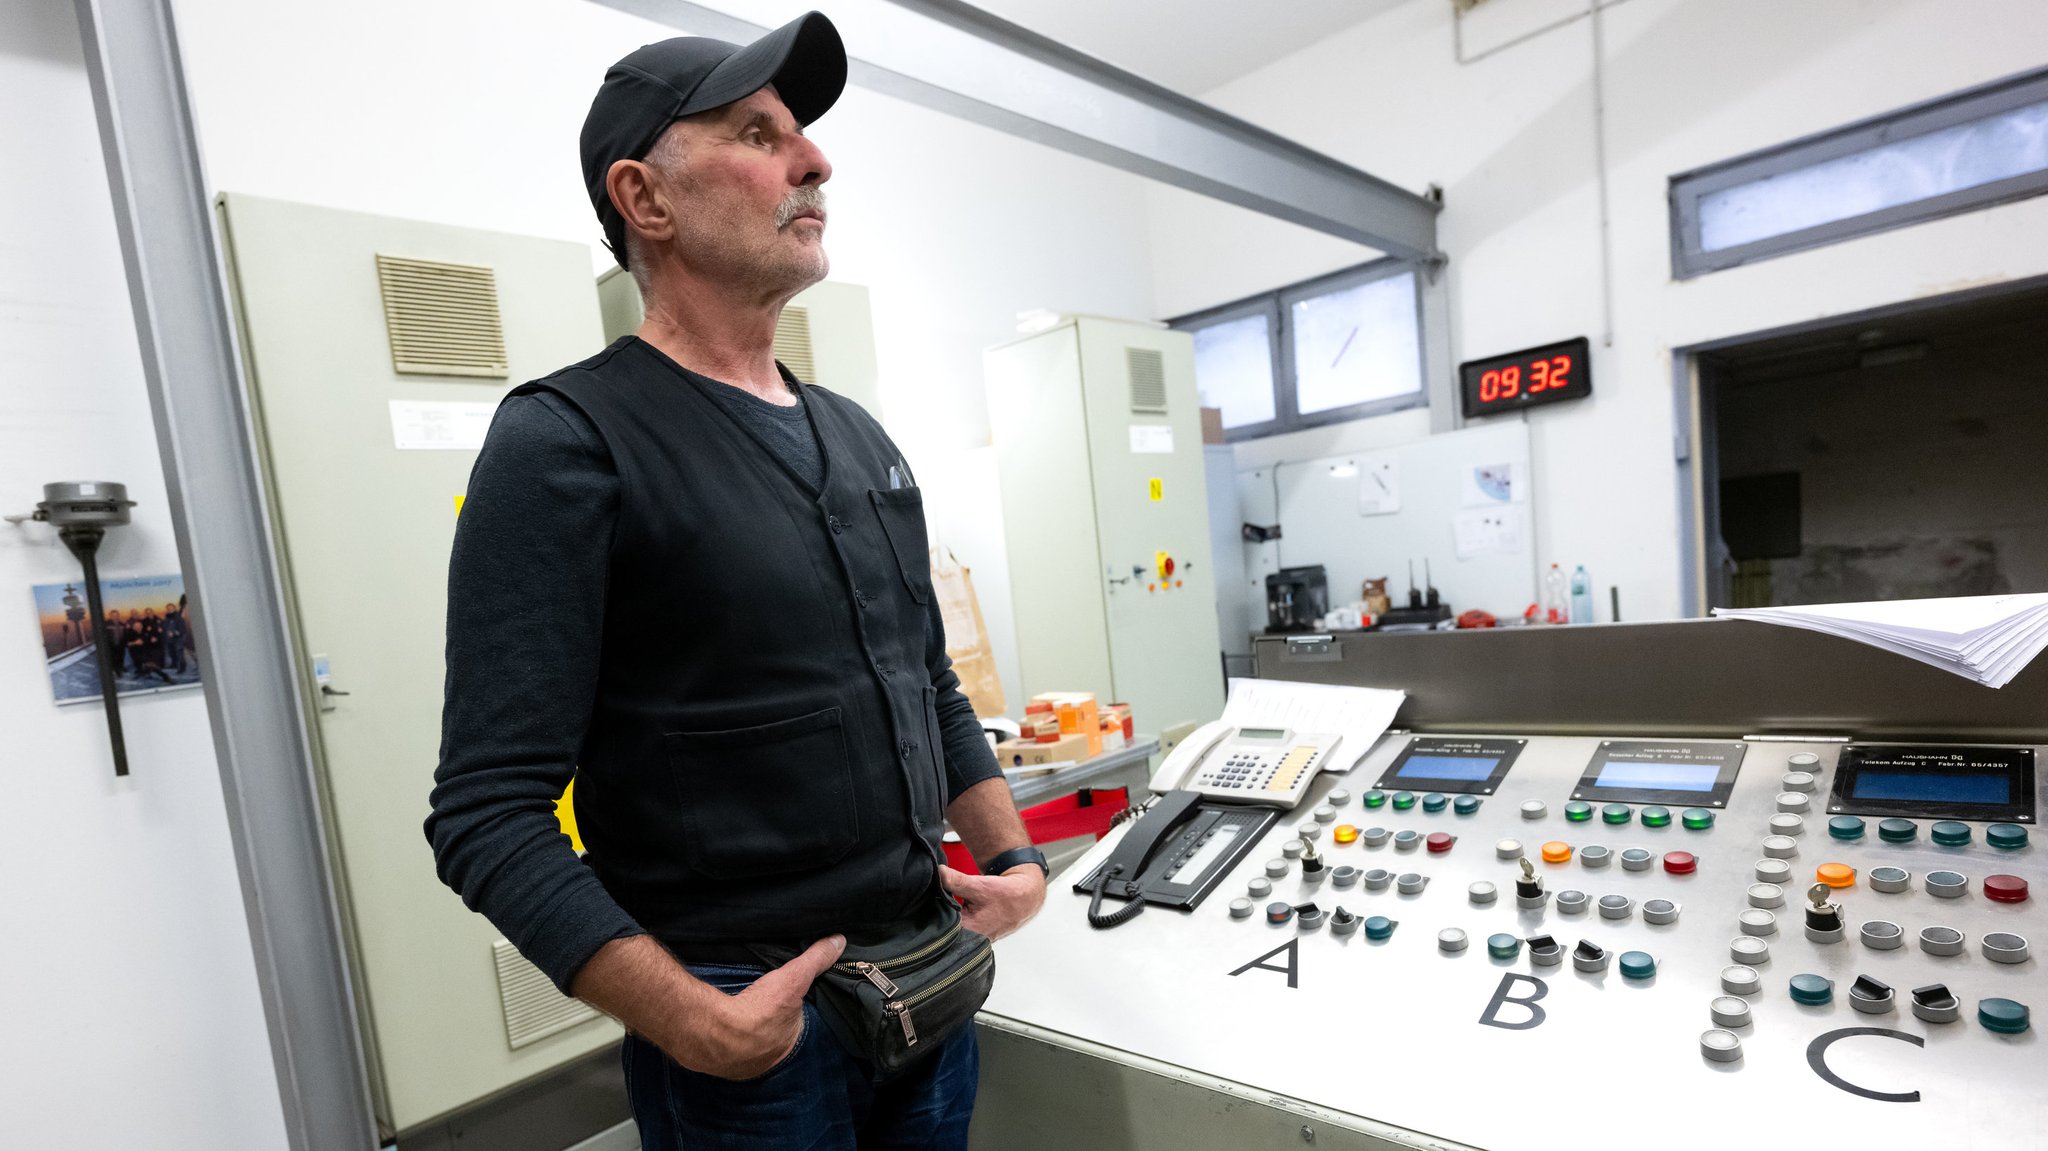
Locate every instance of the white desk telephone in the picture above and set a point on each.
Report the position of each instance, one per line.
(1270, 766)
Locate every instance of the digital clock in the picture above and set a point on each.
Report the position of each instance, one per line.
(1522, 379)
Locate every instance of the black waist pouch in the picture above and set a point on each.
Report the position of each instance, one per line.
(891, 1000)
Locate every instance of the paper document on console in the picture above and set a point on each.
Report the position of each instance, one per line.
(1988, 638)
(1357, 715)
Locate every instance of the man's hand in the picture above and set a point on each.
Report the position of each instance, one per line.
(996, 905)
(753, 1031)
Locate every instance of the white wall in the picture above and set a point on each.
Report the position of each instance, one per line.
(131, 1007)
(467, 112)
(1688, 82)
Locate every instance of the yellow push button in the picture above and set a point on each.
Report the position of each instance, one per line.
(1557, 851)
(1836, 874)
(1345, 833)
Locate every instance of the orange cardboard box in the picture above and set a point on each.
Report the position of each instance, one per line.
(1078, 714)
(1016, 753)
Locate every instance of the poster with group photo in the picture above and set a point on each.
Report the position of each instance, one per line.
(148, 637)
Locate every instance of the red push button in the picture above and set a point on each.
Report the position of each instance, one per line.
(1441, 841)
(2005, 889)
(1680, 862)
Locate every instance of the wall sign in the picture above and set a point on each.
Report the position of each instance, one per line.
(1526, 378)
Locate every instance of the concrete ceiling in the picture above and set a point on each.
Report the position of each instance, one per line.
(1189, 46)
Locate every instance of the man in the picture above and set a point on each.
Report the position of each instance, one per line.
(117, 642)
(771, 769)
(174, 638)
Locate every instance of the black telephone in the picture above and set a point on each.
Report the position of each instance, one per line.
(1176, 853)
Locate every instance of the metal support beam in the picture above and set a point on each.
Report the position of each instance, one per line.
(954, 58)
(219, 507)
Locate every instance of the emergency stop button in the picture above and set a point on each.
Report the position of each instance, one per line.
(1439, 842)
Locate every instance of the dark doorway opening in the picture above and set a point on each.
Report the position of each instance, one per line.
(1897, 457)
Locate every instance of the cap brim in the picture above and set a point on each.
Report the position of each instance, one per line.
(804, 59)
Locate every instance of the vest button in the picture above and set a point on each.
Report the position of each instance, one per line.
(906, 747)
(836, 524)
(882, 669)
(860, 597)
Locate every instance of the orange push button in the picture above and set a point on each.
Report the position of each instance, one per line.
(1345, 833)
(1557, 851)
(1836, 874)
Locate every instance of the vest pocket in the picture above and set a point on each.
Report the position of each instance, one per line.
(764, 800)
(901, 511)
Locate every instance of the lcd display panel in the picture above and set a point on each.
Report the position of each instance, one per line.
(1447, 767)
(1696, 773)
(1934, 781)
(1927, 786)
(1474, 766)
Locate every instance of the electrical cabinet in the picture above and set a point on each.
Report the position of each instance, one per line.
(1098, 441)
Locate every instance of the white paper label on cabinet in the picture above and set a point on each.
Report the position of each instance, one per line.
(428, 425)
(1152, 439)
(1379, 488)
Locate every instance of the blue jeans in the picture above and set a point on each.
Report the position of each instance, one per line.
(819, 1098)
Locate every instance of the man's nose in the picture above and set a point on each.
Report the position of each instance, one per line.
(816, 168)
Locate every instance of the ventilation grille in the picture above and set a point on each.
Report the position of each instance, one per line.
(442, 318)
(534, 1010)
(793, 344)
(1148, 379)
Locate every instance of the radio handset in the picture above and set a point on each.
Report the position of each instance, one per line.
(1141, 841)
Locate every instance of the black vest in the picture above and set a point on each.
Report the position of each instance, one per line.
(763, 761)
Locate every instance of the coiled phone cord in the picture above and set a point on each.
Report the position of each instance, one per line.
(1115, 918)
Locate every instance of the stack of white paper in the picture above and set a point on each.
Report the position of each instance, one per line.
(1988, 638)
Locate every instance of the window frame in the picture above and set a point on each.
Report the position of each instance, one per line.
(1687, 189)
(1277, 306)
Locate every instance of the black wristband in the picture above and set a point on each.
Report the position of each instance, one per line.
(1015, 856)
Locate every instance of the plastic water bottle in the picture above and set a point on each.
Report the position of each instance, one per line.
(1582, 596)
(1553, 596)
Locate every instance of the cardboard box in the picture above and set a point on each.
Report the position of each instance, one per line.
(1212, 426)
(1078, 715)
(1068, 748)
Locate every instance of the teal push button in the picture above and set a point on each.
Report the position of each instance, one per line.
(1503, 946)
(2006, 836)
(1465, 804)
(1435, 802)
(1403, 800)
(1578, 812)
(1617, 813)
(1845, 827)
(2002, 1015)
(1812, 990)
(1950, 833)
(1637, 965)
(1379, 927)
(1898, 831)
(1696, 818)
(1656, 817)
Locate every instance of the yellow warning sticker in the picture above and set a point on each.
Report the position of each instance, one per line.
(1158, 489)
(458, 505)
(565, 809)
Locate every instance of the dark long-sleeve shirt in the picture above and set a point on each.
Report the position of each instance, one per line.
(527, 585)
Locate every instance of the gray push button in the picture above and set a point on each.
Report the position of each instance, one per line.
(1293, 848)
(1741, 980)
(1803, 761)
(1377, 879)
(1947, 884)
(1728, 1011)
(1788, 824)
(1766, 895)
(1773, 871)
(1325, 813)
(1338, 798)
(1595, 856)
(1482, 893)
(2004, 947)
(1757, 921)
(1636, 859)
(1781, 847)
(1793, 802)
(1750, 950)
(1343, 875)
(1508, 849)
(1720, 1046)
(1276, 868)
(1660, 911)
(1798, 781)
(1572, 902)
(1534, 809)
(1240, 908)
(1616, 906)
(1260, 887)
(1374, 836)
(1411, 882)
(1941, 941)
(1890, 880)
(1451, 940)
(1882, 935)
(1407, 839)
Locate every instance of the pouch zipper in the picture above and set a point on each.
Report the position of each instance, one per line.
(860, 967)
(901, 1008)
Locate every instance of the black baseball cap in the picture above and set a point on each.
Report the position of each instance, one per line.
(660, 83)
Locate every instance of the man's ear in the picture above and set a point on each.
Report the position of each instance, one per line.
(641, 199)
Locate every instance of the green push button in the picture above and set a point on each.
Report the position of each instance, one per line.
(1617, 813)
(1465, 804)
(1637, 965)
(2006, 836)
(1375, 798)
(1578, 812)
(1898, 831)
(1403, 800)
(1656, 817)
(1379, 927)
(1812, 990)
(1845, 827)
(1434, 802)
(1696, 818)
(1950, 833)
(2002, 1015)
(1503, 946)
